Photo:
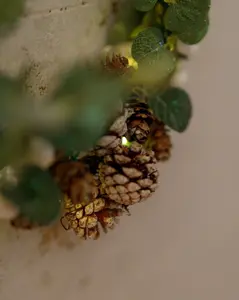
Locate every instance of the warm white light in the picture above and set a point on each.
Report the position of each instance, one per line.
(124, 141)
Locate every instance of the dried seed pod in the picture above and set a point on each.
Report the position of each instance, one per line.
(116, 64)
(161, 141)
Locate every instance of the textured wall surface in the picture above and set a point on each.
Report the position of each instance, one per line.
(52, 35)
(183, 244)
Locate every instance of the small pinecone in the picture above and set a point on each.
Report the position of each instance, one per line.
(111, 140)
(161, 142)
(85, 220)
(118, 64)
(129, 175)
(139, 123)
(75, 180)
(134, 123)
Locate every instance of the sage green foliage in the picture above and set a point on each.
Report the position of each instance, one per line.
(78, 114)
(147, 42)
(10, 88)
(36, 195)
(13, 118)
(173, 107)
(195, 35)
(148, 50)
(126, 19)
(188, 19)
(92, 98)
(10, 11)
(144, 5)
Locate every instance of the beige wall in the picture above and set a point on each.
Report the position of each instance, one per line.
(183, 244)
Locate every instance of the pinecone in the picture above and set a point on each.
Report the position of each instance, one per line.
(128, 175)
(139, 123)
(111, 140)
(75, 180)
(117, 64)
(134, 124)
(160, 141)
(85, 220)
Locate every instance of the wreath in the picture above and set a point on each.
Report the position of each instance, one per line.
(90, 152)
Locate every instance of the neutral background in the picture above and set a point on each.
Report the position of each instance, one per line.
(183, 244)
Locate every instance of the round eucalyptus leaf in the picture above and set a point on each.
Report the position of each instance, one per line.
(155, 69)
(193, 36)
(183, 14)
(155, 62)
(144, 5)
(173, 107)
(36, 195)
(148, 41)
(201, 4)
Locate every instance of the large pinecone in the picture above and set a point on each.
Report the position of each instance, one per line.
(129, 174)
(86, 220)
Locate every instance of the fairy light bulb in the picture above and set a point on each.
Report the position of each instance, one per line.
(125, 142)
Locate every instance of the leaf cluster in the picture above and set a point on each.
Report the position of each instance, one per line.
(188, 19)
(155, 45)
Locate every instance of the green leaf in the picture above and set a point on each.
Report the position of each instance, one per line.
(173, 107)
(14, 147)
(14, 112)
(90, 99)
(36, 195)
(137, 30)
(156, 63)
(126, 19)
(118, 33)
(195, 35)
(203, 5)
(183, 14)
(144, 5)
(148, 41)
(155, 69)
(12, 100)
(10, 11)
